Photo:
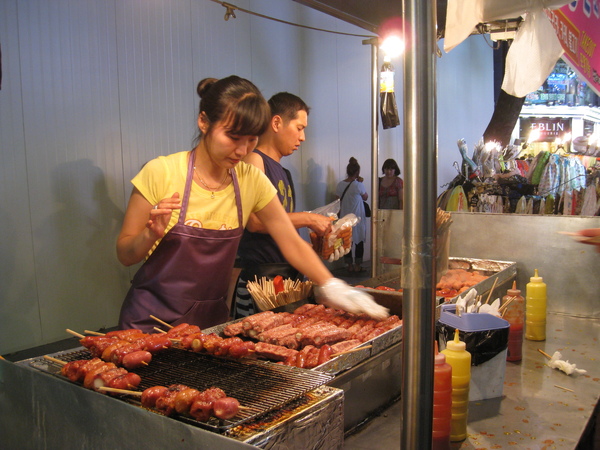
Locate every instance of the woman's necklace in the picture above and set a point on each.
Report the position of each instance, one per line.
(212, 190)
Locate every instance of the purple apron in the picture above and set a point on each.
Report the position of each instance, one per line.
(187, 277)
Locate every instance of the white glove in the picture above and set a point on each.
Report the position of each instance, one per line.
(336, 293)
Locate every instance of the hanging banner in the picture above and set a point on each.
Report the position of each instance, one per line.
(577, 26)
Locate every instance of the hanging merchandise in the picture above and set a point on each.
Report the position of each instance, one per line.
(458, 200)
(387, 98)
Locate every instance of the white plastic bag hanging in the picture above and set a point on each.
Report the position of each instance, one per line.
(532, 55)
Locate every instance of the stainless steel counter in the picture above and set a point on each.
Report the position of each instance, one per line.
(532, 412)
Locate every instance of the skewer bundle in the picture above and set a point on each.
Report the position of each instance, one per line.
(264, 294)
(443, 220)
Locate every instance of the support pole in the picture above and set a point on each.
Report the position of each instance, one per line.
(418, 250)
(374, 43)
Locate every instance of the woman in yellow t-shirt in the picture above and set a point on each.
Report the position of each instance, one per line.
(186, 215)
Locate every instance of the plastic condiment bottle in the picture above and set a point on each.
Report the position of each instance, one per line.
(514, 315)
(460, 359)
(442, 402)
(535, 309)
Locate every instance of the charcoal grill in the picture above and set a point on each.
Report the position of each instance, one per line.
(258, 385)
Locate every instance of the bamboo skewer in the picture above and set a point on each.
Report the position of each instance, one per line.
(55, 360)
(504, 307)
(120, 391)
(140, 393)
(544, 353)
(263, 292)
(491, 291)
(566, 389)
(74, 333)
(96, 333)
(161, 321)
(352, 350)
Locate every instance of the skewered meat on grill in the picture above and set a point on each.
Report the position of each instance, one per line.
(191, 402)
(131, 353)
(95, 373)
(282, 335)
(182, 330)
(226, 407)
(274, 352)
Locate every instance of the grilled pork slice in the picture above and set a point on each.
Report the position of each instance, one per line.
(274, 352)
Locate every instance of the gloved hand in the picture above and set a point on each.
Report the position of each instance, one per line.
(336, 293)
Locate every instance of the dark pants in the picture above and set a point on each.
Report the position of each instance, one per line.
(360, 250)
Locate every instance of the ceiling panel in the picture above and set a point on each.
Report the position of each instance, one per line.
(369, 14)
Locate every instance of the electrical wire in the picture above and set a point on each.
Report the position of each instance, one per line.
(230, 12)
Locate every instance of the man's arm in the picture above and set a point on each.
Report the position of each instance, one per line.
(316, 222)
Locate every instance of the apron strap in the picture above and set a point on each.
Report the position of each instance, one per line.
(188, 188)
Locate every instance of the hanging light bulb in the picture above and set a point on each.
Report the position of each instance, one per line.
(392, 46)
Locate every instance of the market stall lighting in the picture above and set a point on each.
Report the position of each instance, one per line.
(491, 145)
(390, 37)
(534, 135)
(392, 46)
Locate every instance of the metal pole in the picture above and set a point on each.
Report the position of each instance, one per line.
(418, 250)
(374, 43)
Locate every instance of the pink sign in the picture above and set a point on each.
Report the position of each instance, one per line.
(577, 25)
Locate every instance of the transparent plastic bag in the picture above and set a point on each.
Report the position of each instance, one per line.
(337, 243)
(330, 210)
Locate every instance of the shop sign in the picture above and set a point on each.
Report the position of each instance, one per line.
(577, 25)
(550, 128)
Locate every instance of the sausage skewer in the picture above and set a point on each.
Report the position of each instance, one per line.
(201, 404)
(95, 373)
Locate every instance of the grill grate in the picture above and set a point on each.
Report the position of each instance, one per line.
(258, 385)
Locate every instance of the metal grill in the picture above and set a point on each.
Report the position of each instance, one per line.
(259, 386)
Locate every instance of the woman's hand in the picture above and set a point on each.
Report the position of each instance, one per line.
(161, 213)
(143, 225)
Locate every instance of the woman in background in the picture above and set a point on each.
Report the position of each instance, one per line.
(352, 193)
(391, 186)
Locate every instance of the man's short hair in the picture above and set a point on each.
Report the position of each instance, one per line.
(287, 106)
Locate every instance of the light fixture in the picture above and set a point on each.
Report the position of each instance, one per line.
(392, 46)
(390, 37)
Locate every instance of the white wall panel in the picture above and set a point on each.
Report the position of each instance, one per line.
(19, 311)
(72, 139)
(156, 88)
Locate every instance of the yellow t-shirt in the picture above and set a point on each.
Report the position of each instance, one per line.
(165, 175)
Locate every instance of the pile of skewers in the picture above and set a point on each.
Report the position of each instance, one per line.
(269, 294)
(443, 220)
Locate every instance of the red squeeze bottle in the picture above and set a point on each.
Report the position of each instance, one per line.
(442, 402)
(514, 314)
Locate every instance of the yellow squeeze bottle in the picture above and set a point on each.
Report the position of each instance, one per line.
(460, 360)
(535, 309)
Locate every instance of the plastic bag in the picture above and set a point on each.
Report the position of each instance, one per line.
(330, 210)
(532, 55)
(337, 243)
